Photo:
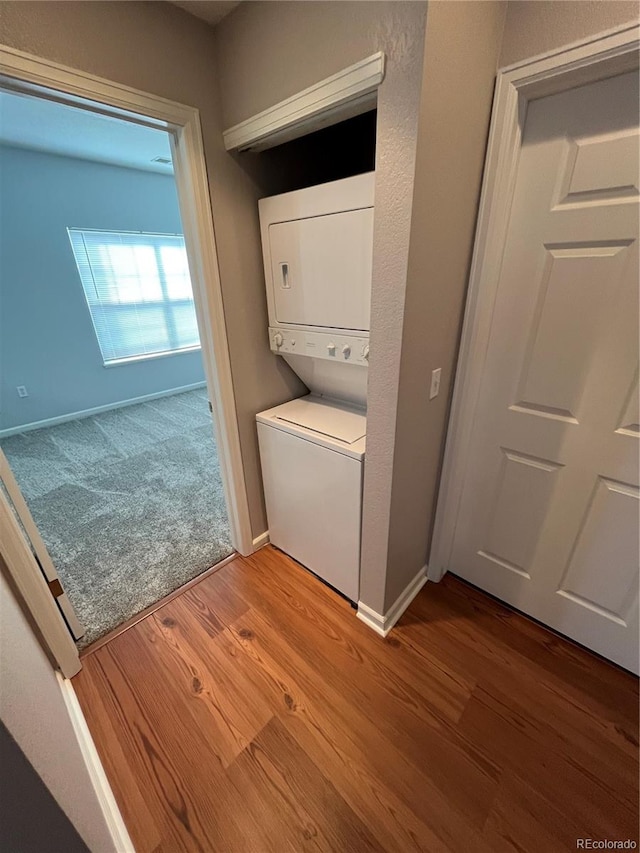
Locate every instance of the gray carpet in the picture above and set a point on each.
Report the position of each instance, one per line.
(129, 503)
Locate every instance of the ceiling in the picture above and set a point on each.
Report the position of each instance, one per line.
(41, 125)
(210, 11)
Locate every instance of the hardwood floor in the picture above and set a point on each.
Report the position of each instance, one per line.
(256, 713)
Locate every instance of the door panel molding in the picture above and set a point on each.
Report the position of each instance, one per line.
(604, 55)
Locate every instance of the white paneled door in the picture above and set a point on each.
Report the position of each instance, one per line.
(548, 518)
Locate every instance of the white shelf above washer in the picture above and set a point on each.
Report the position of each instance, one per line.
(343, 95)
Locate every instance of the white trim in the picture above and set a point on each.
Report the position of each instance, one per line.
(39, 548)
(122, 842)
(382, 624)
(371, 618)
(343, 95)
(149, 356)
(197, 219)
(261, 541)
(32, 586)
(97, 410)
(600, 56)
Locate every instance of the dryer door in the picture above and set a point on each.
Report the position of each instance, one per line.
(321, 270)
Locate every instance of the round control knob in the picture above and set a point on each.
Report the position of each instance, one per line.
(278, 339)
(346, 350)
(365, 352)
(292, 342)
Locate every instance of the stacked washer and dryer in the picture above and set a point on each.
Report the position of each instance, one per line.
(317, 246)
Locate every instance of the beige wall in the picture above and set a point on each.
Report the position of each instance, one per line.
(159, 48)
(536, 26)
(461, 57)
(290, 45)
(33, 710)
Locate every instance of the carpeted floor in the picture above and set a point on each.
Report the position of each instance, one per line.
(129, 503)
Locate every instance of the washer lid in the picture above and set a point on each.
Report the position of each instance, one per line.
(329, 418)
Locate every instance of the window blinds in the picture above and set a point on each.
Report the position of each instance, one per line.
(138, 291)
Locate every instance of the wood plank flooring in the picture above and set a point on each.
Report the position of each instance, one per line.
(256, 713)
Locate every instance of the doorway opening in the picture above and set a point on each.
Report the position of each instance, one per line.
(104, 412)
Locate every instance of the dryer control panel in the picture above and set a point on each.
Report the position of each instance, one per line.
(343, 348)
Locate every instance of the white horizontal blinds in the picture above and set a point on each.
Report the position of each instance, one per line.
(138, 290)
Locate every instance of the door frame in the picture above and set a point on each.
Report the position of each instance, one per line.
(598, 57)
(40, 552)
(24, 73)
(26, 577)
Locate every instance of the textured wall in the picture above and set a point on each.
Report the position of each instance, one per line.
(463, 40)
(536, 26)
(268, 51)
(159, 48)
(257, 36)
(33, 710)
(46, 334)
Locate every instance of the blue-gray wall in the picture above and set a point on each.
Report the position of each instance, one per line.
(47, 341)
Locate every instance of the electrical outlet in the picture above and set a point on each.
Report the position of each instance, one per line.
(22, 391)
(435, 382)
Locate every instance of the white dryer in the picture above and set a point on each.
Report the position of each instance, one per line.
(317, 248)
(312, 452)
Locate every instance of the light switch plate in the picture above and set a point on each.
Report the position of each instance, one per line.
(435, 382)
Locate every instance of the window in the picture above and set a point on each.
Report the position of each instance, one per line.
(138, 291)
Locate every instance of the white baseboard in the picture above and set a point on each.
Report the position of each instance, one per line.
(261, 541)
(436, 573)
(382, 624)
(86, 413)
(122, 842)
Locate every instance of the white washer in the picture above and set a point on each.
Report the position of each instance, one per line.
(312, 454)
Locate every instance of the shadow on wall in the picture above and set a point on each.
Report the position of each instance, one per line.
(32, 821)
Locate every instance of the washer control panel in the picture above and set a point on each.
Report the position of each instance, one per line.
(334, 347)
